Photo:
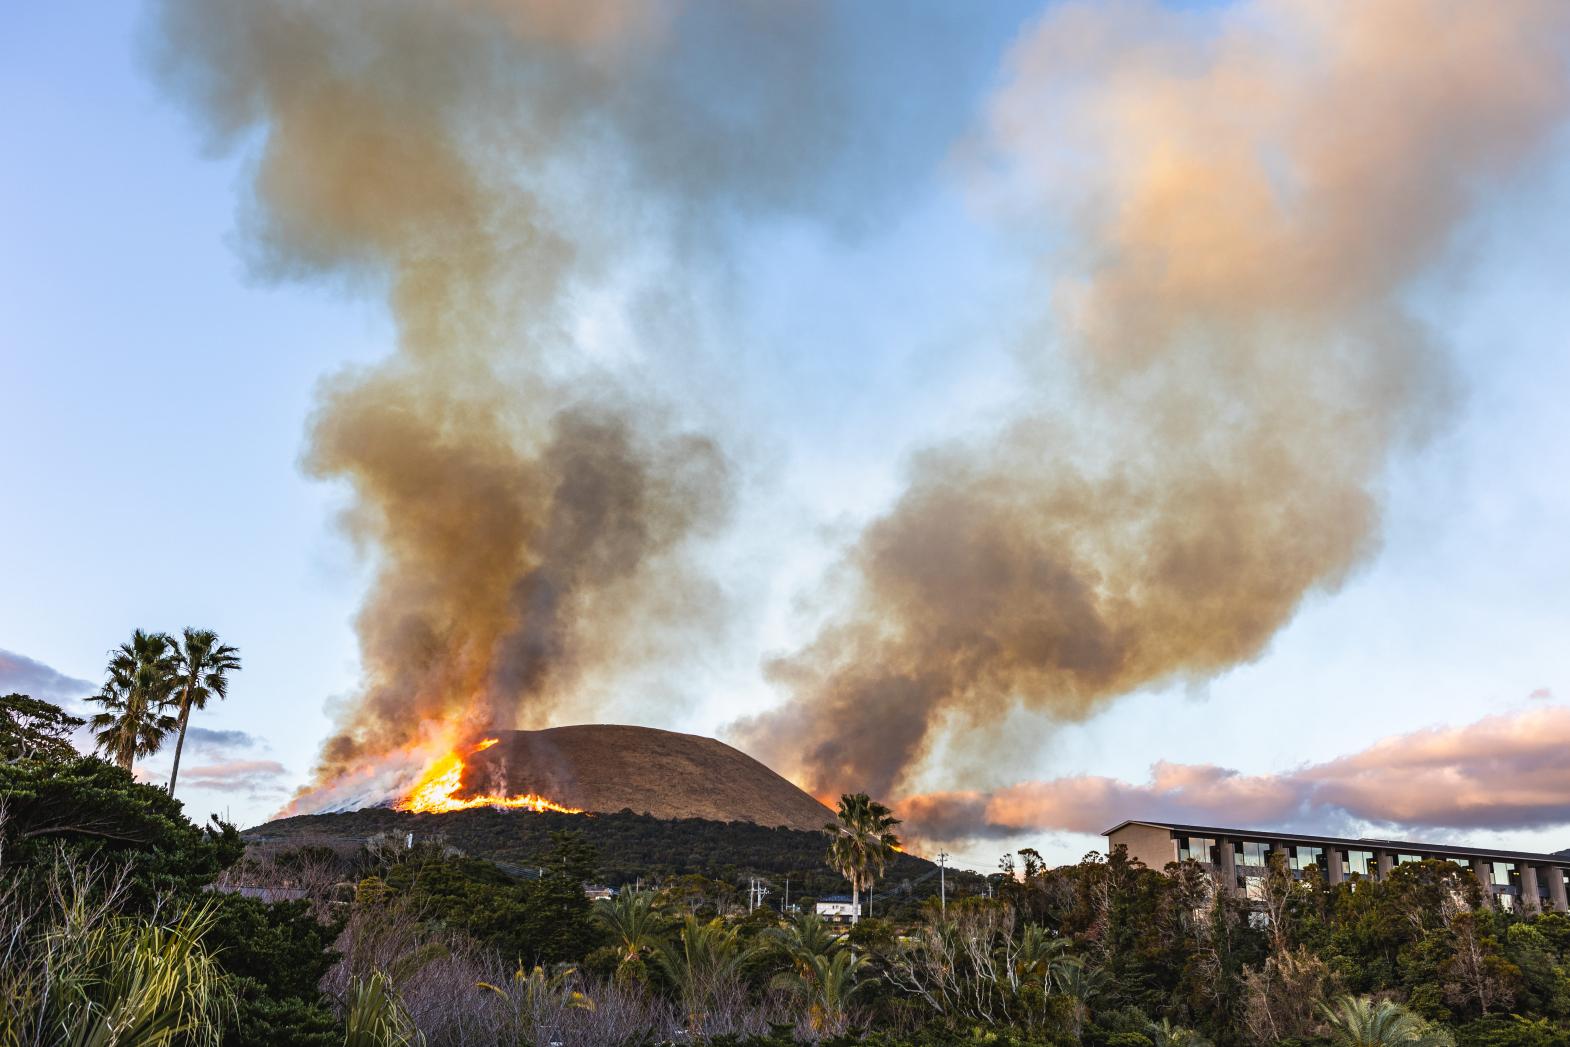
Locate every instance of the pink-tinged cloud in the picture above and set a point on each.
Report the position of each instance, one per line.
(1503, 772)
(249, 776)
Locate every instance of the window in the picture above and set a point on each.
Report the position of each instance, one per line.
(1303, 858)
(1198, 848)
(1360, 862)
(1503, 873)
(1255, 852)
(1408, 859)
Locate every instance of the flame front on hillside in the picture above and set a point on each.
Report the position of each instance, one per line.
(437, 790)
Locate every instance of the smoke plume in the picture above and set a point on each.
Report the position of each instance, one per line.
(1238, 203)
(532, 509)
(1502, 772)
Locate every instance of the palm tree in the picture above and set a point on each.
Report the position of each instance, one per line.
(827, 981)
(633, 923)
(704, 960)
(1168, 1035)
(861, 842)
(203, 666)
(1357, 1021)
(1039, 956)
(141, 678)
(807, 935)
(1074, 978)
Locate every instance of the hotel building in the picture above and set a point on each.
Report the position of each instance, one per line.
(1514, 879)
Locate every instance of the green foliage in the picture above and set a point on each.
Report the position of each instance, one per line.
(276, 955)
(1358, 1021)
(80, 974)
(33, 729)
(91, 808)
(545, 920)
(634, 926)
(141, 680)
(702, 963)
(1512, 1030)
(377, 1017)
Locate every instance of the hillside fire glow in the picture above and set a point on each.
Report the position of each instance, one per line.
(437, 790)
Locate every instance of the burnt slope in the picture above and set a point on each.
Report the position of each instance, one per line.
(611, 767)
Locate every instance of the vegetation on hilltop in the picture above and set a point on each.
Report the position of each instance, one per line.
(631, 848)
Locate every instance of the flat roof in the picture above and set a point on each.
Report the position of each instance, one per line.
(1361, 843)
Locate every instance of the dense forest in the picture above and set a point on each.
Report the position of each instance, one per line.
(631, 848)
(124, 922)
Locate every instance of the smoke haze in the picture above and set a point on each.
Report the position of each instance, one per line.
(1502, 772)
(1238, 201)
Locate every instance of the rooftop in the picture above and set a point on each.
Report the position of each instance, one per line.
(1360, 843)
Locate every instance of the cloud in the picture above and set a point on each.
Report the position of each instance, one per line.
(1502, 772)
(207, 738)
(247, 776)
(22, 674)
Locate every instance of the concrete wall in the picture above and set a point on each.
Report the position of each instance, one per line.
(1150, 844)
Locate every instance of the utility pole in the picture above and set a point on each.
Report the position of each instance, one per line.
(785, 909)
(943, 889)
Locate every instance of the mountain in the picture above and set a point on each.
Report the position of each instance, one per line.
(665, 804)
(611, 767)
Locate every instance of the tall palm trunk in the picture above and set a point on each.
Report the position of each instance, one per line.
(179, 742)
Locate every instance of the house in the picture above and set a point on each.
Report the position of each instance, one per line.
(598, 892)
(836, 907)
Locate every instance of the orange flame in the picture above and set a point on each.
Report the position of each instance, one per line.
(436, 791)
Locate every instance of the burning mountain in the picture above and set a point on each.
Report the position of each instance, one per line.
(443, 789)
(596, 767)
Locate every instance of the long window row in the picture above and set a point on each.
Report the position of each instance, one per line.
(1255, 854)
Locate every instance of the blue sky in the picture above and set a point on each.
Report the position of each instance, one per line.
(155, 394)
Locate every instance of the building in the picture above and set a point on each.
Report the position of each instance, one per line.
(836, 907)
(1239, 857)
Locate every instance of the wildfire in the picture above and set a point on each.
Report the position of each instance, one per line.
(436, 791)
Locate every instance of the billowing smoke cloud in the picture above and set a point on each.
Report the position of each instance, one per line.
(532, 509)
(1502, 772)
(1238, 202)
